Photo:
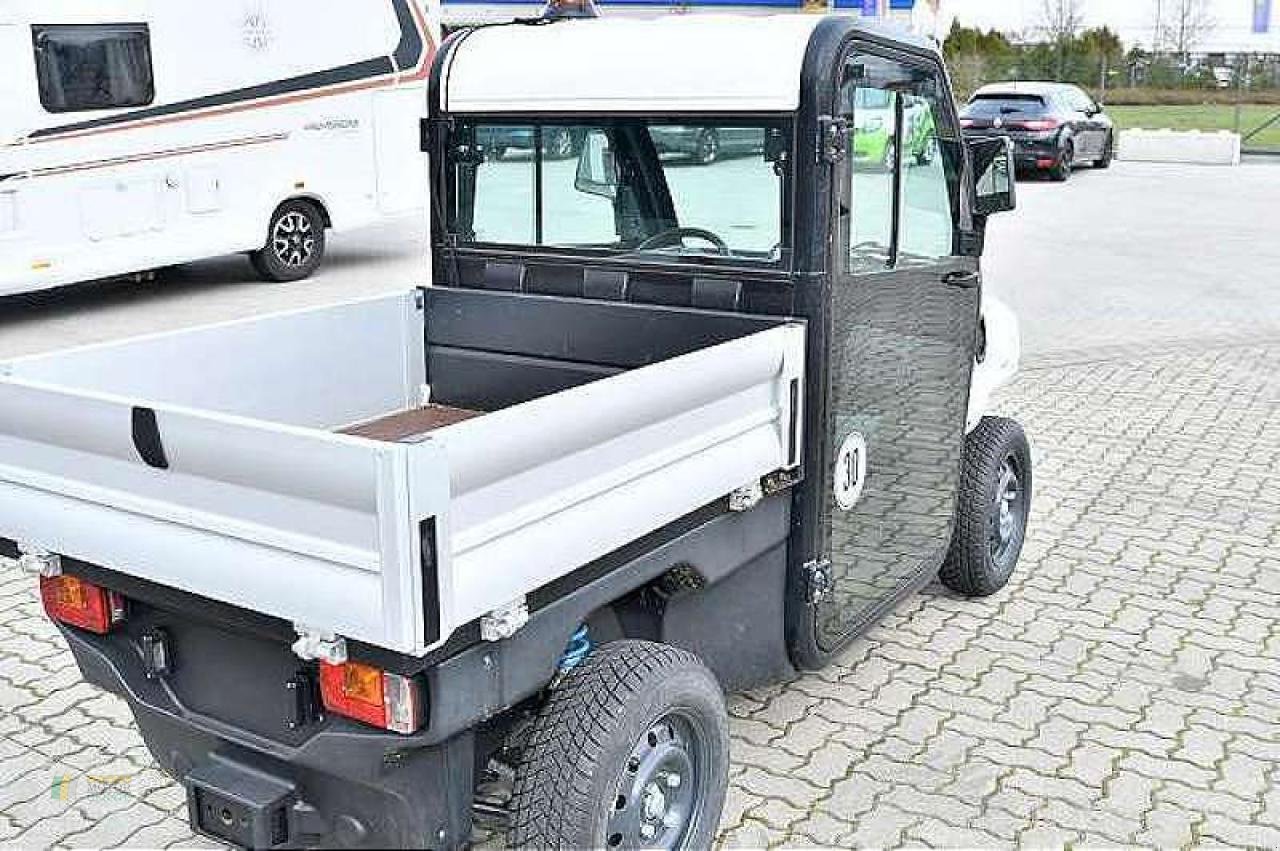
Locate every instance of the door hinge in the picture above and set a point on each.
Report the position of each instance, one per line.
(834, 131)
(818, 581)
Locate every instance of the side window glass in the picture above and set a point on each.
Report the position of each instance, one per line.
(577, 203)
(927, 210)
(504, 184)
(901, 142)
(871, 110)
(82, 68)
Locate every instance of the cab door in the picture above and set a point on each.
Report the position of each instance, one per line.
(904, 320)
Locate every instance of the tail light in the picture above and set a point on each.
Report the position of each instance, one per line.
(967, 122)
(372, 695)
(71, 600)
(1039, 124)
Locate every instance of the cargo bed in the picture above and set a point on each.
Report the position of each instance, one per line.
(390, 469)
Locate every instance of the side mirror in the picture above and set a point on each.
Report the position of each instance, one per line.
(597, 168)
(995, 190)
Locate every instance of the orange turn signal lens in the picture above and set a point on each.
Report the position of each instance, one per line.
(372, 695)
(71, 600)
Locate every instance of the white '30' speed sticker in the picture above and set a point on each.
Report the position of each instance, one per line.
(851, 471)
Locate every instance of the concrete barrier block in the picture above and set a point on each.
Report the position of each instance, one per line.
(1180, 146)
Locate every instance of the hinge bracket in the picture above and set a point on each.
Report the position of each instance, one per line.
(317, 645)
(38, 562)
(746, 497)
(834, 132)
(504, 621)
(818, 581)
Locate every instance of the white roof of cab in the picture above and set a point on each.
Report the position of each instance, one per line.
(672, 63)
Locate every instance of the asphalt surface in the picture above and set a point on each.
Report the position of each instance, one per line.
(1123, 690)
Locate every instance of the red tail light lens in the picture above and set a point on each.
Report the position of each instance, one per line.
(71, 600)
(1039, 124)
(372, 695)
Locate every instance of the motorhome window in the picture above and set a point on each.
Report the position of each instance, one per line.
(688, 191)
(88, 67)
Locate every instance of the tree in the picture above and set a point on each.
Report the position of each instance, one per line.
(1061, 21)
(1181, 25)
(976, 57)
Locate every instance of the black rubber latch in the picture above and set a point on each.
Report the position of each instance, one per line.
(146, 439)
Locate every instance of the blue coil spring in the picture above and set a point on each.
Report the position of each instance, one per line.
(577, 649)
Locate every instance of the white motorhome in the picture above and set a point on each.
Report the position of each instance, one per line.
(136, 134)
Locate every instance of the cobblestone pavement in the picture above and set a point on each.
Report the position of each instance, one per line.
(1124, 689)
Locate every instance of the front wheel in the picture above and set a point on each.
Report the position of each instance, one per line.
(631, 750)
(992, 511)
(1108, 153)
(295, 243)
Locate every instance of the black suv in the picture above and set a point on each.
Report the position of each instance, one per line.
(1053, 126)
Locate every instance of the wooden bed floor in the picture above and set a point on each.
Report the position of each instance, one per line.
(411, 425)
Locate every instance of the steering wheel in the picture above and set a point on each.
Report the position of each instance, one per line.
(676, 236)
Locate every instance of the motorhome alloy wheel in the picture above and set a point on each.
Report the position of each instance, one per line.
(295, 242)
(293, 239)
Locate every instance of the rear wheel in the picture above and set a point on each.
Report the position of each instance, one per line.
(631, 750)
(1062, 170)
(992, 511)
(295, 243)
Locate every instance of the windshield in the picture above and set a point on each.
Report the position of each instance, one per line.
(644, 188)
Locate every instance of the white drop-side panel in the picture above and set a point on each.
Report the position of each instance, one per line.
(548, 486)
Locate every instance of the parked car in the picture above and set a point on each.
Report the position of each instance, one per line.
(705, 145)
(874, 130)
(559, 143)
(1054, 126)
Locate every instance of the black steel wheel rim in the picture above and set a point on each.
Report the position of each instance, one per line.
(661, 791)
(1008, 514)
(293, 239)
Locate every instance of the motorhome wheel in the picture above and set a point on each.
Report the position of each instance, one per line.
(295, 243)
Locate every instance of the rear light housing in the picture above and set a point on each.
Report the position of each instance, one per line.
(373, 696)
(71, 600)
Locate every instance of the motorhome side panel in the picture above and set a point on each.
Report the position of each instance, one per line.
(284, 108)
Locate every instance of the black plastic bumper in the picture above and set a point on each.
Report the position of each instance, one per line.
(343, 787)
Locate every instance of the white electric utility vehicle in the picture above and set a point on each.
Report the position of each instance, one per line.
(136, 134)
(492, 548)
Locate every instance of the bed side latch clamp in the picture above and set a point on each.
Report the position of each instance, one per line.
(317, 645)
(37, 562)
(504, 621)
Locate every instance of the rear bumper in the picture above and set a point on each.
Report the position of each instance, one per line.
(343, 787)
(1028, 151)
